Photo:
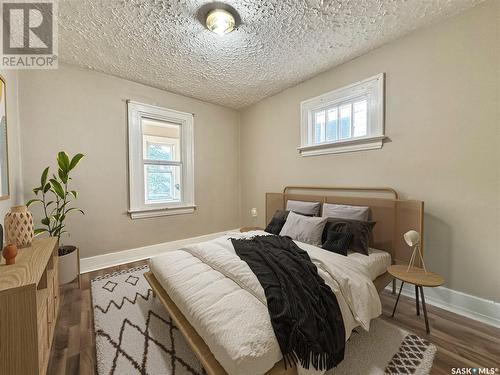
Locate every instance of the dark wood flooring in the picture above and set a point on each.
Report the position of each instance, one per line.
(461, 342)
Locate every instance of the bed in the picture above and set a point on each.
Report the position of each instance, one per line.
(215, 302)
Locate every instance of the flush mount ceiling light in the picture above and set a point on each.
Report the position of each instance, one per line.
(220, 21)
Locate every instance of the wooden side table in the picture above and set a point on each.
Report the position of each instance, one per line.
(419, 278)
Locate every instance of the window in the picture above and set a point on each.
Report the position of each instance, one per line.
(348, 119)
(160, 161)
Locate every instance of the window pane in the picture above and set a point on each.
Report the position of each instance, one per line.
(319, 127)
(162, 183)
(360, 110)
(159, 151)
(345, 121)
(331, 125)
(161, 140)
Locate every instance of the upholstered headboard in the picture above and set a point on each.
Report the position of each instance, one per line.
(394, 217)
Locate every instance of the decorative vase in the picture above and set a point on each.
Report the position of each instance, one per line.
(19, 228)
(10, 253)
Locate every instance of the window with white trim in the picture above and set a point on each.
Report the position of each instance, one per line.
(161, 172)
(347, 119)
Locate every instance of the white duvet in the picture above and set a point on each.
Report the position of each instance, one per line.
(225, 303)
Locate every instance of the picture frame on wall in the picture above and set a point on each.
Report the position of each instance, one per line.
(4, 158)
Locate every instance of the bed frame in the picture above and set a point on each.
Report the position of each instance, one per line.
(394, 217)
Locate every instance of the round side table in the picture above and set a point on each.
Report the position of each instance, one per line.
(419, 278)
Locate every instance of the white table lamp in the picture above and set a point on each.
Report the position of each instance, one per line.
(412, 239)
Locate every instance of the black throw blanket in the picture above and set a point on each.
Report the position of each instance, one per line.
(304, 311)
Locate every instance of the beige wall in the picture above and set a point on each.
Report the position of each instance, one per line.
(13, 145)
(442, 120)
(82, 111)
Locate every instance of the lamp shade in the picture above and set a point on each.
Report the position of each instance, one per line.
(412, 238)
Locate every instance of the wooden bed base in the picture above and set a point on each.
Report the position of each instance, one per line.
(198, 345)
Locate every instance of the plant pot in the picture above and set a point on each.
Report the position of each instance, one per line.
(68, 264)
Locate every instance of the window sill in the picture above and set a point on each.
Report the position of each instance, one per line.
(360, 144)
(143, 214)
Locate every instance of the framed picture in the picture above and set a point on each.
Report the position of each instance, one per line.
(4, 159)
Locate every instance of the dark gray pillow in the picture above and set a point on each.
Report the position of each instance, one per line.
(277, 222)
(361, 233)
(338, 239)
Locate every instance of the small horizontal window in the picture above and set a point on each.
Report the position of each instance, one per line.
(347, 119)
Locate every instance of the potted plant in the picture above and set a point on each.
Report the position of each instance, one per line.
(55, 197)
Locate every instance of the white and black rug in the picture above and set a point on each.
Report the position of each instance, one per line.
(134, 335)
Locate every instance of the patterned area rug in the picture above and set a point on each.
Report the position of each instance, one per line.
(134, 335)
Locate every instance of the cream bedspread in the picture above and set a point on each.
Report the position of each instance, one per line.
(223, 300)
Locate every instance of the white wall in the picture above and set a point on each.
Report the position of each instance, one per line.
(442, 120)
(83, 111)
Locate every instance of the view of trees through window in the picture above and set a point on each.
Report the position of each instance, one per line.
(160, 182)
(341, 122)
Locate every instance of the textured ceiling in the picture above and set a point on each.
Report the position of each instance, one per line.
(278, 44)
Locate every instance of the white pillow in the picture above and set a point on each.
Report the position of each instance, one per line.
(342, 211)
(302, 207)
(304, 228)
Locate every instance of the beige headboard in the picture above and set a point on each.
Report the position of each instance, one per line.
(394, 217)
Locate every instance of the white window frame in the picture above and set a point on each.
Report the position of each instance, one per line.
(371, 88)
(138, 208)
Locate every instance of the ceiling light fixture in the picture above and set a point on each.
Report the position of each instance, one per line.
(220, 21)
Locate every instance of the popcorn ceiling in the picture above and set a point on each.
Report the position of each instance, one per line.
(280, 43)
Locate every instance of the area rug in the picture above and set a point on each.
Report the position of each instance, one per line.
(135, 335)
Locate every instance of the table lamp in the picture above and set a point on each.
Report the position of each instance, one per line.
(412, 239)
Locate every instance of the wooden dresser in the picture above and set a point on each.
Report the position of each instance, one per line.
(29, 303)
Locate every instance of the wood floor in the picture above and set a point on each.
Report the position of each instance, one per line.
(461, 342)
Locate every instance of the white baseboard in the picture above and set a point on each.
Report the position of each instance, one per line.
(476, 308)
(126, 256)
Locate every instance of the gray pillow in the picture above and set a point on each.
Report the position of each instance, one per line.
(342, 211)
(305, 208)
(304, 228)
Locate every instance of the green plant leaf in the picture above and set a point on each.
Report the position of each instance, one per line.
(40, 231)
(63, 176)
(63, 161)
(46, 188)
(75, 209)
(37, 190)
(45, 221)
(75, 160)
(57, 188)
(31, 201)
(58, 230)
(73, 193)
(43, 179)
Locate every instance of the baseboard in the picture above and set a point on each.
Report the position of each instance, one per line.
(126, 256)
(476, 308)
